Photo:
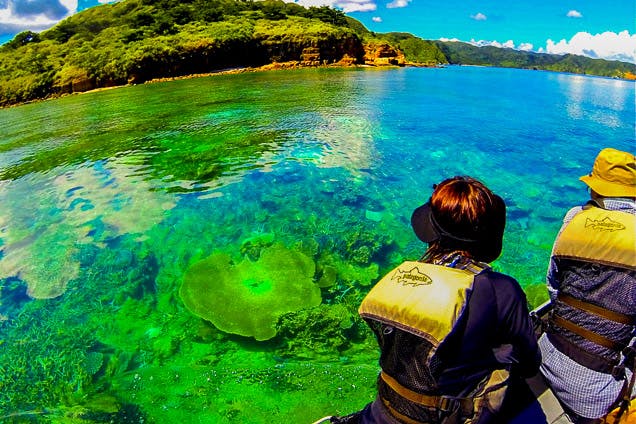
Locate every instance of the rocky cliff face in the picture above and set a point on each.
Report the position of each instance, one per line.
(372, 54)
(382, 54)
(347, 54)
(266, 54)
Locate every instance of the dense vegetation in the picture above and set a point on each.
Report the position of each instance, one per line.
(467, 54)
(137, 40)
(134, 41)
(415, 49)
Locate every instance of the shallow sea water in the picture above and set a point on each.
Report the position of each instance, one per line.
(107, 199)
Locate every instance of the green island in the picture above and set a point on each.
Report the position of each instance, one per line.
(135, 41)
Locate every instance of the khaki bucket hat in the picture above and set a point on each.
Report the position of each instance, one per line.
(613, 174)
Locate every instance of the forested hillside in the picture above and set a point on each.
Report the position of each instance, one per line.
(467, 54)
(134, 41)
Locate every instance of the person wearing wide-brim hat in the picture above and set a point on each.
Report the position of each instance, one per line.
(450, 329)
(592, 284)
(613, 174)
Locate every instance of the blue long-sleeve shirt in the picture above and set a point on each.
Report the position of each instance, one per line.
(496, 330)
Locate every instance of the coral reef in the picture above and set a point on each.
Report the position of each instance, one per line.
(323, 331)
(247, 298)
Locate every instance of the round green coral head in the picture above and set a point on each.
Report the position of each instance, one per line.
(249, 297)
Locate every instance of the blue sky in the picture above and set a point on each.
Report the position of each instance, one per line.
(594, 28)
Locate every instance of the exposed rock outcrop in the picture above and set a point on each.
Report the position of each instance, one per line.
(382, 54)
(310, 56)
(349, 54)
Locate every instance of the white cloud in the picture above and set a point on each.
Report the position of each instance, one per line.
(376, 19)
(574, 14)
(356, 5)
(345, 5)
(450, 39)
(608, 45)
(479, 17)
(398, 3)
(481, 43)
(317, 3)
(34, 15)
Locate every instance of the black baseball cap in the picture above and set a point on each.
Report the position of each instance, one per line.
(487, 238)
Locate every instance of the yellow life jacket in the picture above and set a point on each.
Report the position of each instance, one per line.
(427, 300)
(420, 298)
(626, 417)
(599, 235)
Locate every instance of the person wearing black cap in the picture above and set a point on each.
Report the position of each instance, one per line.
(450, 329)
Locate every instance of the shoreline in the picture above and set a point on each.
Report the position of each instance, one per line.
(275, 66)
(278, 66)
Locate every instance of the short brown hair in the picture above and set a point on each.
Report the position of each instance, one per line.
(472, 217)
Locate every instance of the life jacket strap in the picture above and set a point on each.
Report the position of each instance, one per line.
(596, 310)
(403, 418)
(586, 333)
(430, 401)
(587, 359)
(463, 406)
(488, 395)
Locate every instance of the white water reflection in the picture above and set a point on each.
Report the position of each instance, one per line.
(598, 99)
(90, 204)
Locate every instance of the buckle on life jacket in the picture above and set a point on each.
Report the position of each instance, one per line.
(629, 361)
(630, 354)
(446, 404)
(618, 372)
(629, 358)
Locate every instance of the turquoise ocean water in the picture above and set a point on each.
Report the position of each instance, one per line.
(274, 200)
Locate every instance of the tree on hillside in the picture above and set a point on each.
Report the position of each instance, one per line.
(22, 39)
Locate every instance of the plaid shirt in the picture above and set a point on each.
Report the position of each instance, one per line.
(586, 392)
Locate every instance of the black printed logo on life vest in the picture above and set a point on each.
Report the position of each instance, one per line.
(413, 277)
(605, 224)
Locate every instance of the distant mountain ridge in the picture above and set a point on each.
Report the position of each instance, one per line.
(468, 54)
(134, 41)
